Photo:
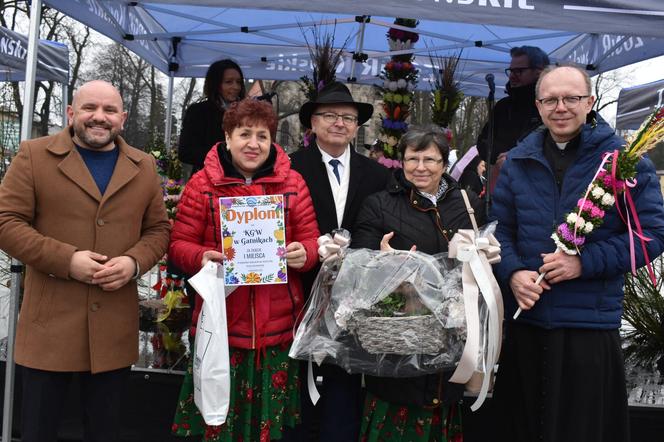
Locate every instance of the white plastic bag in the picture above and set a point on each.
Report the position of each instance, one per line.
(212, 379)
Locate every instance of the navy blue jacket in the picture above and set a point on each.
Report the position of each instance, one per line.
(528, 206)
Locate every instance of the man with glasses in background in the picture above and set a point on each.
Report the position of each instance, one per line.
(514, 116)
(561, 375)
(339, 180)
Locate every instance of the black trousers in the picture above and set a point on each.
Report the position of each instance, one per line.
(45, 393)
(337, 417)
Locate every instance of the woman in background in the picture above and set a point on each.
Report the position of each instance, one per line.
(472, 177)
(469, 172)
(202, 125)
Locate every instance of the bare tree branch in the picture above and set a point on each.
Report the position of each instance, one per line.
(606, 104)
(187, 97)
(78, 47)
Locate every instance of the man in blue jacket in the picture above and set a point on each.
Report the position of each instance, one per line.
(561, 375)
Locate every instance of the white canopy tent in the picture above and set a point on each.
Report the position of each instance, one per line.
(182, 37)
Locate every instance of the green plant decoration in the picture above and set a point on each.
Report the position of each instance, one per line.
(446, 91)
(644, 312)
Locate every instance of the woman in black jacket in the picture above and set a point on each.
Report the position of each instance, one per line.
(422, 208)
(472, 177)
(201, 128)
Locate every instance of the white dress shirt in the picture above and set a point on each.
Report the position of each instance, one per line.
(339, 189)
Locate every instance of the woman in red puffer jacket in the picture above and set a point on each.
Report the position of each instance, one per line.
(264, 382)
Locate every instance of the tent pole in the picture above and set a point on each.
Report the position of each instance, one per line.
(16, 266)
(169, 113)
(358, 47)
(30, 71)
(10, 368)
(65, 92)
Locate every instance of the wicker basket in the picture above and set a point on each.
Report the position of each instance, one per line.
(406, 335)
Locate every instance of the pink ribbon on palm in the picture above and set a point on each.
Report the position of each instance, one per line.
(631, 207)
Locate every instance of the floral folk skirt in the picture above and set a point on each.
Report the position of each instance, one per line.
(264, 399)
(386, 422)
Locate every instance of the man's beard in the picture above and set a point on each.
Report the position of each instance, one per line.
(95, 142)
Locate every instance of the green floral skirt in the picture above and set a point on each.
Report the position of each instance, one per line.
(264, 399)
(386, 422)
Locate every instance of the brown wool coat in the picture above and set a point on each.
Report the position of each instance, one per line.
(50, 207)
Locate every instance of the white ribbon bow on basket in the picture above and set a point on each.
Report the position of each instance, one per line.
(331, 247)
(477, 254)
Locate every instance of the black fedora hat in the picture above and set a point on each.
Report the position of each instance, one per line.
(335, 93)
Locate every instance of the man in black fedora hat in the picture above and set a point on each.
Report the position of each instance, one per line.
(339, 180)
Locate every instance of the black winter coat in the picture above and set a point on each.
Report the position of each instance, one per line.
(514, 117)
(414, 221)
(201, 129)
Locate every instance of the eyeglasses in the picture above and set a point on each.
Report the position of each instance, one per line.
(331, 117)
(428, 161)
(570, 102)
(516, 71)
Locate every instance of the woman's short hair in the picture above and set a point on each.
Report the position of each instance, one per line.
(250, 112)
(420, 138)
(214, 76)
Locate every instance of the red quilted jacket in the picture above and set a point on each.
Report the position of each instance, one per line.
(258, 315)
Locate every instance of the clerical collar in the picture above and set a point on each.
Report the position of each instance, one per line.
(562, 146)
(567, 146)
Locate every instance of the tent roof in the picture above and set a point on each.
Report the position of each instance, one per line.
(267, 39)
(637, 102)
(52, 62)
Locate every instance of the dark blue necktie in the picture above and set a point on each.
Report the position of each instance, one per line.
(335, 169)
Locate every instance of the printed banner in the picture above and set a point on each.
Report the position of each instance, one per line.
(254, 240)
(52, 58)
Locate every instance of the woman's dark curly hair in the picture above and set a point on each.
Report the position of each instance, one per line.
(250, 112)
(214, 76)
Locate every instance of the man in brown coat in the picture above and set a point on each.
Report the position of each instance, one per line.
(84, 211)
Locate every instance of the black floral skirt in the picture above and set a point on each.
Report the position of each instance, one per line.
(561, 385)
